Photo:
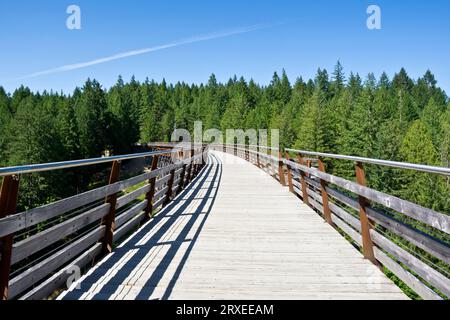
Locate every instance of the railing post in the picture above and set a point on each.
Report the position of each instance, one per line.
(323, 185)
(151, 192)
(169, 187)
(289, 174)
(365, 223)
(189, 172)
(203, 153)
(281, 169)
(303, 181)
(196, 166)
(191, 169)
(182, 175)
(247, 152)
(8, 205)
(235, 149)
(109, 219)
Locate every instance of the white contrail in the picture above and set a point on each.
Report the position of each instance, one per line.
(210, 36)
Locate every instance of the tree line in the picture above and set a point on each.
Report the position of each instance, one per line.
(395, 119)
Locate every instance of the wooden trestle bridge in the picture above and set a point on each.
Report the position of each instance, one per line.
(223, 222)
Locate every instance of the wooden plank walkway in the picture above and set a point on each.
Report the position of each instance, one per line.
(235, 234)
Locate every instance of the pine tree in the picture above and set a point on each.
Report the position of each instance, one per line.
(338, 78)
(402, 81)
(234, 116)
(444, 138)
(93, 120)
(312, 133)
(354, 84)
(322, 82)
(361, 124)
(284, 89)
(68, 131)
(431, 117)
(18, 95)
(125, 129)
(417, 147)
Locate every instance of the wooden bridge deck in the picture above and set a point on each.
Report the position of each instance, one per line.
(235, 234)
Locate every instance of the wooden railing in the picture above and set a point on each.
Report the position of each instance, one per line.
(40, 247)
(409, 240)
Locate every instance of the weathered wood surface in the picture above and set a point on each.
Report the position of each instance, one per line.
(40, 241)
(37, 272)
(235, 234)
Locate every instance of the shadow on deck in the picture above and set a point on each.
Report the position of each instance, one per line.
(148, 264)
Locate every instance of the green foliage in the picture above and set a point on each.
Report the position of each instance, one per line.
(5, 117)
(124, 127)
(402, 120)
(421, 188)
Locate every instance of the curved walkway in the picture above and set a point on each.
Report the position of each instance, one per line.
(235, 234)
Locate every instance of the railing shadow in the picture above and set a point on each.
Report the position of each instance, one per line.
(203, 191)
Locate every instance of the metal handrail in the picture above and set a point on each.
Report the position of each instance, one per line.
(7, 171)
(387, 163)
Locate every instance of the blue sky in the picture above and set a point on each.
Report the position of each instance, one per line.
(299, 36)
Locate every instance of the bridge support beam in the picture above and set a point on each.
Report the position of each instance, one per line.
(8, 205)
(109, 219)
(323, 185)
(363, 218)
